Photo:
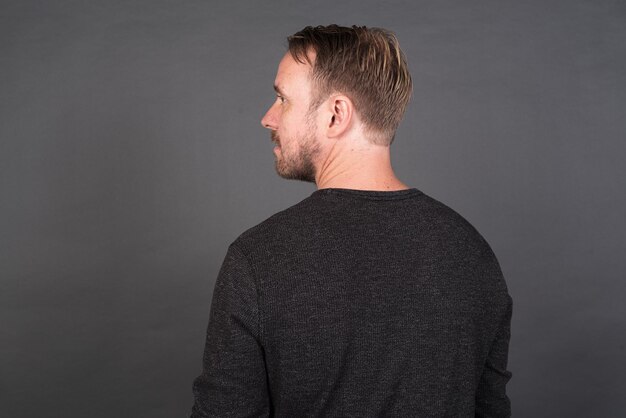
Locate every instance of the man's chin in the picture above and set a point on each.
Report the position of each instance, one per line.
(289, 175)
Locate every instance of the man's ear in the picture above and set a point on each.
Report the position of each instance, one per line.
(340, 115)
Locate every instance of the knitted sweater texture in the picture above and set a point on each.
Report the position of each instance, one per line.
(358, 303)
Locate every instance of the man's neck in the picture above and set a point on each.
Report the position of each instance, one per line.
(379, 185)
(361, 175)
(357, 164)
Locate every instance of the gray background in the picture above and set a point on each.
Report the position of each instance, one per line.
(131, 155)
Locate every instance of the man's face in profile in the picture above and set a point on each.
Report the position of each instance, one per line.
(293, 124)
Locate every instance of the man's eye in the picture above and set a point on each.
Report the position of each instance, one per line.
(280, 99)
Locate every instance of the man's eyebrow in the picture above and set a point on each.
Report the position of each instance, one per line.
(277, 89)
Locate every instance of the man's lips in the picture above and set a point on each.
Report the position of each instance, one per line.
(274, 137)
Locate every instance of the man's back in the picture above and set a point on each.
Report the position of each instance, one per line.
(358, 303)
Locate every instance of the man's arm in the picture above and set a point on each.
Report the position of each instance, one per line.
(491, 398)
(233, 382)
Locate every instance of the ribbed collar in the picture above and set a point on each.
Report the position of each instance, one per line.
(368, 194)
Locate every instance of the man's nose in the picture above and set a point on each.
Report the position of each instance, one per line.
(269, 120)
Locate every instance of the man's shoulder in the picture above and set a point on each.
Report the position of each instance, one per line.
(439, 213)
(277, 225)
(422, 218)
(423, 208)
(458, 223)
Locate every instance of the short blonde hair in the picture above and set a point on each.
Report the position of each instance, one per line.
(366, 64)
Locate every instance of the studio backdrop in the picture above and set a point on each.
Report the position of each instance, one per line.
(131, 155)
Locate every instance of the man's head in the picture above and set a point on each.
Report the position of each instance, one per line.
(366, 64)
(335, 82)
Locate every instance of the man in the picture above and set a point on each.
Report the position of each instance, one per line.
(367, 298)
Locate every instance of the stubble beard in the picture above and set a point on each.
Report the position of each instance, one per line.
(299, 166)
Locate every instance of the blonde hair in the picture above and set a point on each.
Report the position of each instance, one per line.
(366, 64)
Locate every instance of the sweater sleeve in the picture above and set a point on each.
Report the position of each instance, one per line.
(491, 398)
(233, 382)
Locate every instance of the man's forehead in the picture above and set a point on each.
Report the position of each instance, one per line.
(290, 70)
(288, 64)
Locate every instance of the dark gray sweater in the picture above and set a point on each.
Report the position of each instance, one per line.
(358, 303)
